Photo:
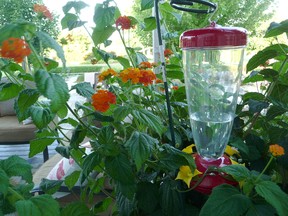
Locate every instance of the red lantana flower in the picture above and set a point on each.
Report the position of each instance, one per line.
(167, 53)
(175, 88)
(147, 77)
(43, 10)
(15, 48)
(102, 99)
(124, 22)
(145, 65)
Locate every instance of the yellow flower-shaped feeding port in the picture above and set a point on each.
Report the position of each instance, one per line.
(185, 174)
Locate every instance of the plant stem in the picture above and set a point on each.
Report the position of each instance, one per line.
(266, 167)
(36, 55)
(15, 194)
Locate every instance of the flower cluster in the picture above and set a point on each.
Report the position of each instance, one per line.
(276, 150)
(107, 74)
(43, 11)
(136, 75)
(167, 53)
(124, 22)
(15, 48)
(102, 99)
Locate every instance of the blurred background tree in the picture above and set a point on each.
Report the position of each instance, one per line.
(249, 14)
(12, 10)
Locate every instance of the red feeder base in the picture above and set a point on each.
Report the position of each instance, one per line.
(212, 179)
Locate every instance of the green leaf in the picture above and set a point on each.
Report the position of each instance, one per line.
(78, 136)
(257, 106)
(50, 42)
(226, 200)
(140, 146)
(149, 119)
(253, 95)
(63, 151)
(84, 89)
(119, 168)
(105, 16)
(53, 87)
(150, 24)
(41, 205)
(106, 135)
(276, 29)
(16, 166)
(67, 20)
(253, 77)
(125, 206)
(121, 112)
(146, 4)
(101, 35)
(272, 193)
(27, 98)
(4, 182)
(50, 186)
(9, 90)
(76, 209)
(72, 179)
(123, 61)
(90, 162)
(43, 139)
(77, 5)
(268, 53)
(171, 201)
(41, 116)
(261, 209)
(238, 172)
(17, 29)
(274, 111)
(147, 196)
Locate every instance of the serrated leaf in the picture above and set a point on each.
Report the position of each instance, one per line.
(27, 98)
(76, 209)
(238, 172)
(84, 89)
(4, 181)
(9, 90)
(90, 162)
(41, 116)
(106, 135)
(123, 61)
(257, 106)
(43, 139)
(68, 18)
(119, 168)
(226, 200)
(46, 204)
(16, 166)
(171, 201)
(50, 42)
(63, 151)
(147, 196)
(272, 193)
(104, 16)
(150, 24)
(72, 179)
(78, 136)
(146, 4)
(101, 35)
(149, 119)
(50, 186)
(274, 111)
(26, 207)
(121, 112)
(77, 5)
(276, 29)
(17, 29)
(53, 87)
(140, 146)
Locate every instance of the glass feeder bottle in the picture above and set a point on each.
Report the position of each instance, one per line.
(213, 62)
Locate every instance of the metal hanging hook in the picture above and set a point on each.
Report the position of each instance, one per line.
(186, 5)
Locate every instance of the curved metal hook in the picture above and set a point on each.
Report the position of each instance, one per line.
(180, 5)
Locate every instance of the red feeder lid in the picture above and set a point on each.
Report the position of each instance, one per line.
(213, 36)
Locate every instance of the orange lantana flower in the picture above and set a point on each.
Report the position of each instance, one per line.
(276, 150)
(145, 65)
(106, 74)
(43, 10)
(124, 22)
(167, 53)
(15, 48)
(132, 74)
(147, 77)
(102, 99)
(175, 88)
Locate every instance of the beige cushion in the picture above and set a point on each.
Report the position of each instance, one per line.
(7, 108)
(11, 131)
